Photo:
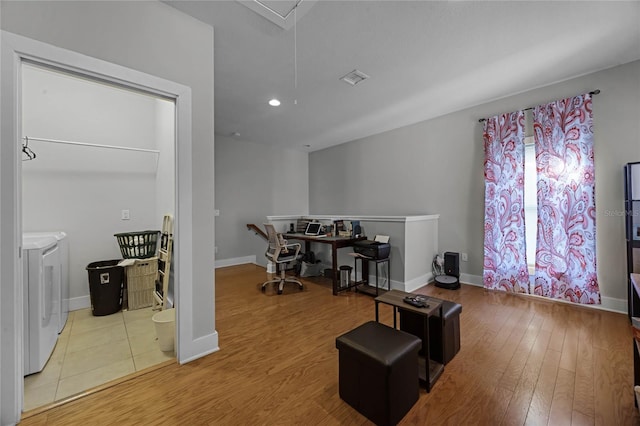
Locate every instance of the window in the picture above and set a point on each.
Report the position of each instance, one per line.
(553, 188)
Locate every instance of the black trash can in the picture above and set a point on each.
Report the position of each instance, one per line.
(106, 280)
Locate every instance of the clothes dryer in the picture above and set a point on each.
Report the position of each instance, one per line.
(63, 247)
(41, 284)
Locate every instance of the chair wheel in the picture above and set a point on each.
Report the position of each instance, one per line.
(262, 289)
(279, 291)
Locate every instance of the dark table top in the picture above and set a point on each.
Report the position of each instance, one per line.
(395, 298)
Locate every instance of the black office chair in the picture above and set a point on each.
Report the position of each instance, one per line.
(279, 252)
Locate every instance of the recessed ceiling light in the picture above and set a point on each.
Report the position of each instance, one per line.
(274, 102)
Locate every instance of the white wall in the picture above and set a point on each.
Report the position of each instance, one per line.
(82, 190)
(436, 166)
(165, 177)
(254, 181)
(165, 143)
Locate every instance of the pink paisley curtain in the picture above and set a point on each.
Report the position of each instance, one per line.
(566, 250)
(505, 263)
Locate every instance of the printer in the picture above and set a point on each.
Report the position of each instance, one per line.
(376, 249)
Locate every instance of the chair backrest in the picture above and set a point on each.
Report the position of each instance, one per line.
(272, 235)
(275, 244)
(274, 248)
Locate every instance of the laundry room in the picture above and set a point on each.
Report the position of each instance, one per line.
(98, 159)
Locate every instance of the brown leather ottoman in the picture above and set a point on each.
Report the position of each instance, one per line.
(446, 338)
(378, 371)
(449, 336)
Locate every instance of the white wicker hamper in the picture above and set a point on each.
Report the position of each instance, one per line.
(141, 278)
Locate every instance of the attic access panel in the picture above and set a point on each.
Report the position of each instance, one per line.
(279, 12)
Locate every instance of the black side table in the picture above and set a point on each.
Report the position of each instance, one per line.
(429, 369)
(363, 286)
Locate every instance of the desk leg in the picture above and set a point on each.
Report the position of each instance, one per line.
(307, 246)
(377, 319)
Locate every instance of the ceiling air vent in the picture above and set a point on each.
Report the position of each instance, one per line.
(354, 77)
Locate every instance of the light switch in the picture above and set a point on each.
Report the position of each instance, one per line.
(125, 215)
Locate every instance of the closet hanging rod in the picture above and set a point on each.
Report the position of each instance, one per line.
(593, 92)
(126, 148)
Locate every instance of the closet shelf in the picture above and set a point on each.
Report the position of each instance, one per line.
(97, 145)
(64, 156)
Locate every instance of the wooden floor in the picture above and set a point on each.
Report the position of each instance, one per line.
(522, 361)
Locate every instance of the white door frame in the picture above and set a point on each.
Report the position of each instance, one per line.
(14, 50)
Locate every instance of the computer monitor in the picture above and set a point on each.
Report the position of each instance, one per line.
(313, 228)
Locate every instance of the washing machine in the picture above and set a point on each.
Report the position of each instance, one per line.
(63, 247)
(41, 284)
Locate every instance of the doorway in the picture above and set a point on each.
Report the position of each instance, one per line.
(14, 51)
(101, 160)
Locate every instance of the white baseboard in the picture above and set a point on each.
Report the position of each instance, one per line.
(471, 279)
(198, 348)
(382, 283)
(221, 263)
(613, 305)
(416, 283)
(608, 303)
(409, 286)
(77, 303)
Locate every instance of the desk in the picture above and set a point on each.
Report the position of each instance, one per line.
(335, 242)
(415, 238)
(428, 369)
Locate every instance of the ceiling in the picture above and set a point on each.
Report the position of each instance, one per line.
(424, 58)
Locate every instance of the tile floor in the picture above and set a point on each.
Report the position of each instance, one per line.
(92, 351)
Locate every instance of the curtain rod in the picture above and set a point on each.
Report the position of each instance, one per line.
(593, 92)
(126, 148)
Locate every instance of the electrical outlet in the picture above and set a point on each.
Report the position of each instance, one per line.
(124, 215)
(465, 257)
(216, 212)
